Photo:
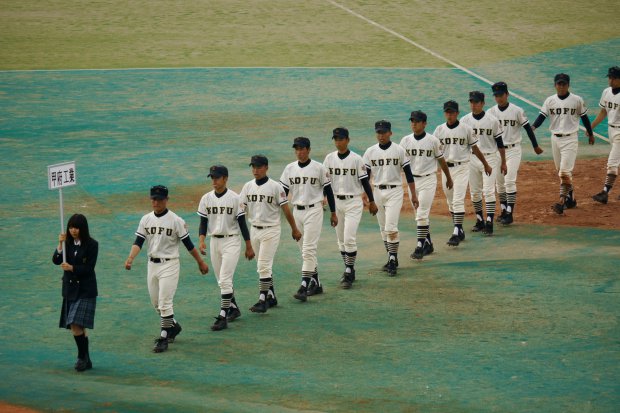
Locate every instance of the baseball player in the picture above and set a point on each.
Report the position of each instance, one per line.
(384, 162)
(308, 181)
(222, 218)
(163, 230)
(610, 107)
(488, 132)
(564, 110)
(424, 152)
(349, 181)
(262, 198)
(458, 142)
(511, 118)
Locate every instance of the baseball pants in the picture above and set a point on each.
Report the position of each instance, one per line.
(162, 280)
(349, 213)
(425, 187)
(310, 222)
(265, 243)
(455, 197)
(508, 183)
(564, 150)
(479, 182)
(614, 156)
(389, 202)
(224, 257)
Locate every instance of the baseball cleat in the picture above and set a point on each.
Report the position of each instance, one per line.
(260, 307)
(83, 364)
(488, 228)
(478, 227)
(387, 264)
(174, 331)
(161, 345)
(461, 235)
(346, 282)
(428, 248)
(301, 294)
(558, 208)
(502, 216)
(233, 314)
(507, 219)
(314, 289)
(418, 253)
(392, 268)
(570, 203)
(272, 302)
(454, 240)
(220, 323)
(601, 197)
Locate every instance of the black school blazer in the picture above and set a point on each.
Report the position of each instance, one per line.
(81, 282)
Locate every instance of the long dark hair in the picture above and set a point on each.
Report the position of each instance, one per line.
(79, 221)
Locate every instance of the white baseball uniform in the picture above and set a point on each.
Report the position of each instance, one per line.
(222, 212)
(163, 234)
(305, 183)
(611, 103)
(346, 174)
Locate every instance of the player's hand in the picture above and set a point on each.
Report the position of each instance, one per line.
(372, 208)
(414, 201)
(203, 267)
(202, 247)
(504, 168)
(538, 150)
(128, 263)
(590, 138)
(488, 169)
(296, 234)
(249, 252)
(334, 219)
(449, 183)
(66, 267)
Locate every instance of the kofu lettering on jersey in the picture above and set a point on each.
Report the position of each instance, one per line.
(158, 231)
(483, 131)
(453, 141)
(612, 105)
(508, 122)
(302, 180)
(259, 198)
(562, 111)
(342, 171)
(384, 162)
(219, 210)
(419, 152)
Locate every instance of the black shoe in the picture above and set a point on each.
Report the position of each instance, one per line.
(233, 314)
(461, 235)
(175, 331)
(301, 294)
(260, 307)
(272, 302)
(428, 248)
(558, 208)
(507, 219)
(161, 345)
(314, 289)
(478, 227)
(601, 197)
(352, 276)
(570, 203)
(220, 323)
(346, 281)
(417, 254)
(502, 216)
(387, 264)
(488, 228)
(83, 364)
(454, 240)
(392, 265)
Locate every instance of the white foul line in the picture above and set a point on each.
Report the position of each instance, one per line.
(440, 57)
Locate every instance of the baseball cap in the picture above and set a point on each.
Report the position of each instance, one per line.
(217, 171)
(340, 133)
(418, 116)
(614, 72)
(159, 192)
(301, 142)
(451, 106)
(499, 88)
(259, 160)
(383, 126)
(561, 77)
(476, 96)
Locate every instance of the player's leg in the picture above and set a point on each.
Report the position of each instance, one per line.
(567, 148)
(393, 201)
(613, 161)
(500, 185)
(314, 226)
(425, 191)
(488, 190)
(353, 209)
(168, 275)
(513, 162)
(379, 200)
(460, 179)
(228, 250)
(476, 171)
(300, 221)
(269, 239)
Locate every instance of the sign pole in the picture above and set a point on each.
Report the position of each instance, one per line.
(62, 225)
(59, 175)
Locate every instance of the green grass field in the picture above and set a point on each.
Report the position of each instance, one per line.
(526, 321)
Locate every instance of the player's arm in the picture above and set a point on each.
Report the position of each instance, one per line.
(487, 168)
(532, 136)
(189, 245)
(202, 234)
(243, 226)
(331, 201)
(135, 250)
(372, 207)
(446, 171)
(539, 121)
(291, 221)
(411, 184)
(586, 124)
(599, 118)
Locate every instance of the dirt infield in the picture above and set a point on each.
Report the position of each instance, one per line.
(11, 408)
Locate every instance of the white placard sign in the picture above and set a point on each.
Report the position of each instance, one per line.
(61, 175)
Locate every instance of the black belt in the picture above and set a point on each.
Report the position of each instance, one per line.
(302, 207)
(386, 186)
(345, 196)
(257, 227)
(159, 260)
(422, 176)
(559, 135)
(452, 164)
(510, 145)
(223, 236)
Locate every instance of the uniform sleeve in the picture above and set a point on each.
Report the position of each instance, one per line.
(499, 130)
(141, 231)
(239, 210)
(472, 139)
(437, 149)
(522, 118)
(280, 194)
(326, 179)
(243, 196)
(181, 228)
(366, 158)
(361, 169)
(202, 207)
(545, 108)
(601, 102)
(583, 109)
(284, 178)
(404, 159)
